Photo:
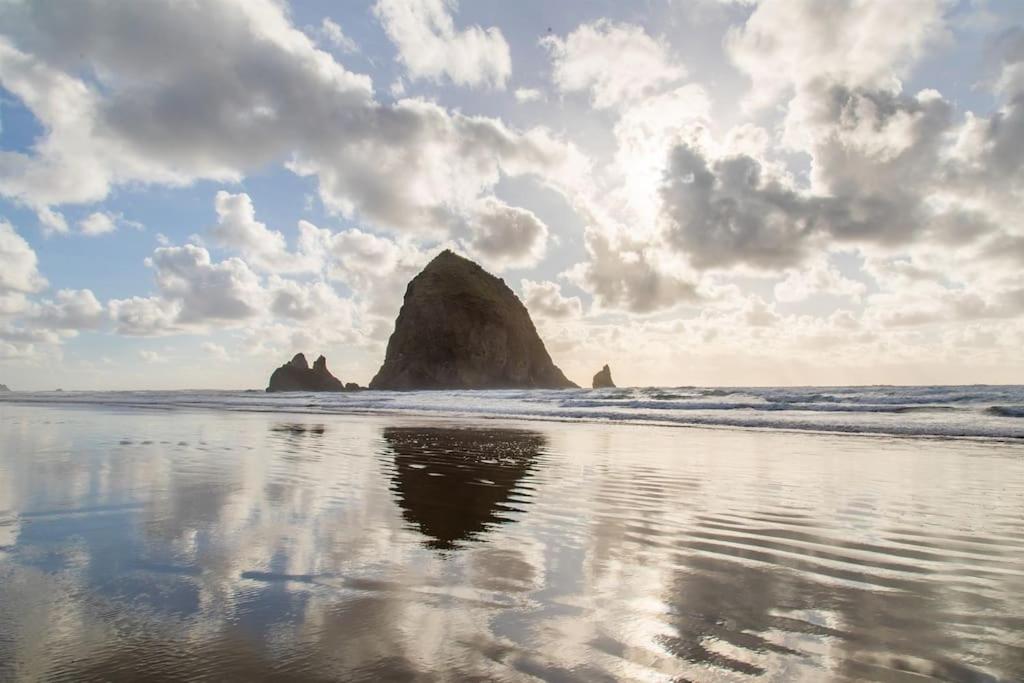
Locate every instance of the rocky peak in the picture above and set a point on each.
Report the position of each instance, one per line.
(296, 375)
(462, 328)
(603, 379)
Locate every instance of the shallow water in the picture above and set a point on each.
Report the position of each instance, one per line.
(190, 544)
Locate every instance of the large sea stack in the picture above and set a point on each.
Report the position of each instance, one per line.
(296, 375)
(462, 328)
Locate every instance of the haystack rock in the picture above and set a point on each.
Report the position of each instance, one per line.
(603, 379)
(296, 375)
(462, 328)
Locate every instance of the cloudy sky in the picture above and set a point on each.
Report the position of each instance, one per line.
(697, 192)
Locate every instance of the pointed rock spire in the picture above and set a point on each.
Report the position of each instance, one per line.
(603, 379)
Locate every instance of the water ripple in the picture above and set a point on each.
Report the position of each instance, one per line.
(231, 545)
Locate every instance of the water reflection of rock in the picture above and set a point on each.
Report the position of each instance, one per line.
(455, 483)
(299, 442)
(298, 429)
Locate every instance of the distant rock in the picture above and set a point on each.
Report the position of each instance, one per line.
(296, 375)
(352, 386)
(3, 387)
(603, 379)
(462, 328)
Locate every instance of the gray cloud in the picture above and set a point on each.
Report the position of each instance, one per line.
(71, 310)
(545, 300)
(145, 316)
(195, 292)
(507, 236)
(879, 160)
(955, 305)
(728, 211)
(627, 275)
(217, 89)
(207, 291)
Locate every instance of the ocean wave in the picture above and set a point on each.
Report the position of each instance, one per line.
(767, 407)
(914, 397)
(977, 412)
(1005, 411)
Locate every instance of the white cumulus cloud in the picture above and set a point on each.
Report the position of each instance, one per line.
(336, 37)
(545, 300)
(19, 266)
(98, 223)
(614, 62)
(430, 46)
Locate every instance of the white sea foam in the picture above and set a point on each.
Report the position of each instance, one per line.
(941, 411)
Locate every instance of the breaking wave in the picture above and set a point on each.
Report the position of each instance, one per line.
(936, 411)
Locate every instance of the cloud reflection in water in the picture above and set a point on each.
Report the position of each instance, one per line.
(182, 545)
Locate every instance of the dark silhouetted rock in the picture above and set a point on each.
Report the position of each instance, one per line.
(352, 386)
(296, 375)
(603, 379)
(462, 328)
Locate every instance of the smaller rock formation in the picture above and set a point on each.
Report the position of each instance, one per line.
(603, 379)
(352, 386)
(296, 375)
(3, 387)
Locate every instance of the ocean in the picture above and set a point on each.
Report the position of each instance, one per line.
(939, 411)
(683, 534)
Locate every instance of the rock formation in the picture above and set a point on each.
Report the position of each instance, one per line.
(603, 379)
(462, 328)
(296, 375)
(3, 387)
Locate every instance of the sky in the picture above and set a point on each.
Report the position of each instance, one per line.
(703, 192)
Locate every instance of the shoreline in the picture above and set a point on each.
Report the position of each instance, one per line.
(67, 399)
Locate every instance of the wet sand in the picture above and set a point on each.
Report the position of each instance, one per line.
(182, 545)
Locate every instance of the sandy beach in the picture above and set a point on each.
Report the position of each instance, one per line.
(184, 544)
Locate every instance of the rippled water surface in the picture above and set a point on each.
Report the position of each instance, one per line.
(188, 544)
